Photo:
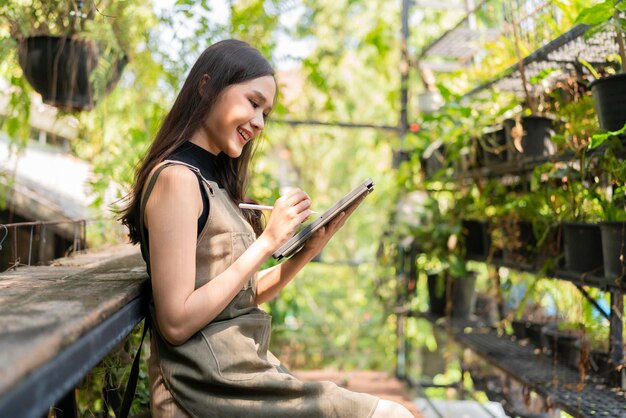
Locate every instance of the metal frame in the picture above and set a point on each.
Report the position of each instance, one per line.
(55, 381)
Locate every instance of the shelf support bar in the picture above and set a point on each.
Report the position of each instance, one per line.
(593, 302)
(616, 339)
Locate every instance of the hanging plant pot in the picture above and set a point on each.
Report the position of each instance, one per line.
(609, 94)
(613, 249)
(477, 239)
(582, 245)
(60, 69)
(535, 140)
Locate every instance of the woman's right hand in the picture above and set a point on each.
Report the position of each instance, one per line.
(290, 211)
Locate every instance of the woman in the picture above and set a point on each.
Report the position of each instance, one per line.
(209, 347)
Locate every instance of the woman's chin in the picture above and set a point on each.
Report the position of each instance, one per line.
(234, 153)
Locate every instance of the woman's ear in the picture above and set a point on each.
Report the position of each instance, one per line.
(202, 84)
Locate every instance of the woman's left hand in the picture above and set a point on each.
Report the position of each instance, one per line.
(320, 238)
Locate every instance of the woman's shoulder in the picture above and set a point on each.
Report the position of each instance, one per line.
(174, 180)
(173, 172)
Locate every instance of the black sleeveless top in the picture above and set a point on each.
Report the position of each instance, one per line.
(202, 159)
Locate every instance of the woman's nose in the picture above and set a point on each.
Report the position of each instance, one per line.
(258, 121)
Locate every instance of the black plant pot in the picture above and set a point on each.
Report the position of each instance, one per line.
(520, 329)
(609, 94)
(600, 362)
(463, 296)
(60, 69)
(582, 247)
(477, 239)
(533, 333)
(437, 294)
(565, 347)
(613, 248)
(536, 139)
(494, 146)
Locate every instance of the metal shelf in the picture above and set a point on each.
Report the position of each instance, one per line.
(560, 384)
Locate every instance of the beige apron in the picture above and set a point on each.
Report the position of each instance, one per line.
(225, 369)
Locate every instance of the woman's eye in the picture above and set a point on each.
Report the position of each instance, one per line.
(254, 104)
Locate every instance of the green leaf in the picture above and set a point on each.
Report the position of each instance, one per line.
(589, 67)
(599, 28)
(599, 139)
(596, 14)
(542, 75)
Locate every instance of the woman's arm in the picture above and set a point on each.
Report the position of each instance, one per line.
(171, 216)
(272, 280)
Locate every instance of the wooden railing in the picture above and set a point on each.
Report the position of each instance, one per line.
(57, 322)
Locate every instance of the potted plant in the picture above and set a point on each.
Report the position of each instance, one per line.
(582, 244)
(69, 51)
(529, 135)
(609, 90)
(610, 163)
(566, 341)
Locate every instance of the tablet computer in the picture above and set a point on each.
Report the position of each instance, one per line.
(297, 241)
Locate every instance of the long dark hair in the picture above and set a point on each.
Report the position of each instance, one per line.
(226, 62)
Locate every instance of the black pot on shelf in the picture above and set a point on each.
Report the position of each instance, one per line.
(494, 146)
(582, 246)
(520, 328)
(566, 347)
(477, 239)
(437, 294)
(463, 296)
(613, 248)
(536, 139)
(609, 94)
(533, 333)
(600, 362)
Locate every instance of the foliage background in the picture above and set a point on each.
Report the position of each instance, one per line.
(345, 67)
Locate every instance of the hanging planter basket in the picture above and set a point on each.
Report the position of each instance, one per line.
(609, 94)
(61, 69)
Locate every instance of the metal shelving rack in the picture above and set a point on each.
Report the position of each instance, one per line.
(564, 57)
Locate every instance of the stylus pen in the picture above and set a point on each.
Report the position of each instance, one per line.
(259, 207)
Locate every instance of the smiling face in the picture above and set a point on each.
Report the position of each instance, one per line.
(237, 117)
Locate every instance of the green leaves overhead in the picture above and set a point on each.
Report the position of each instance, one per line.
(597, 14)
